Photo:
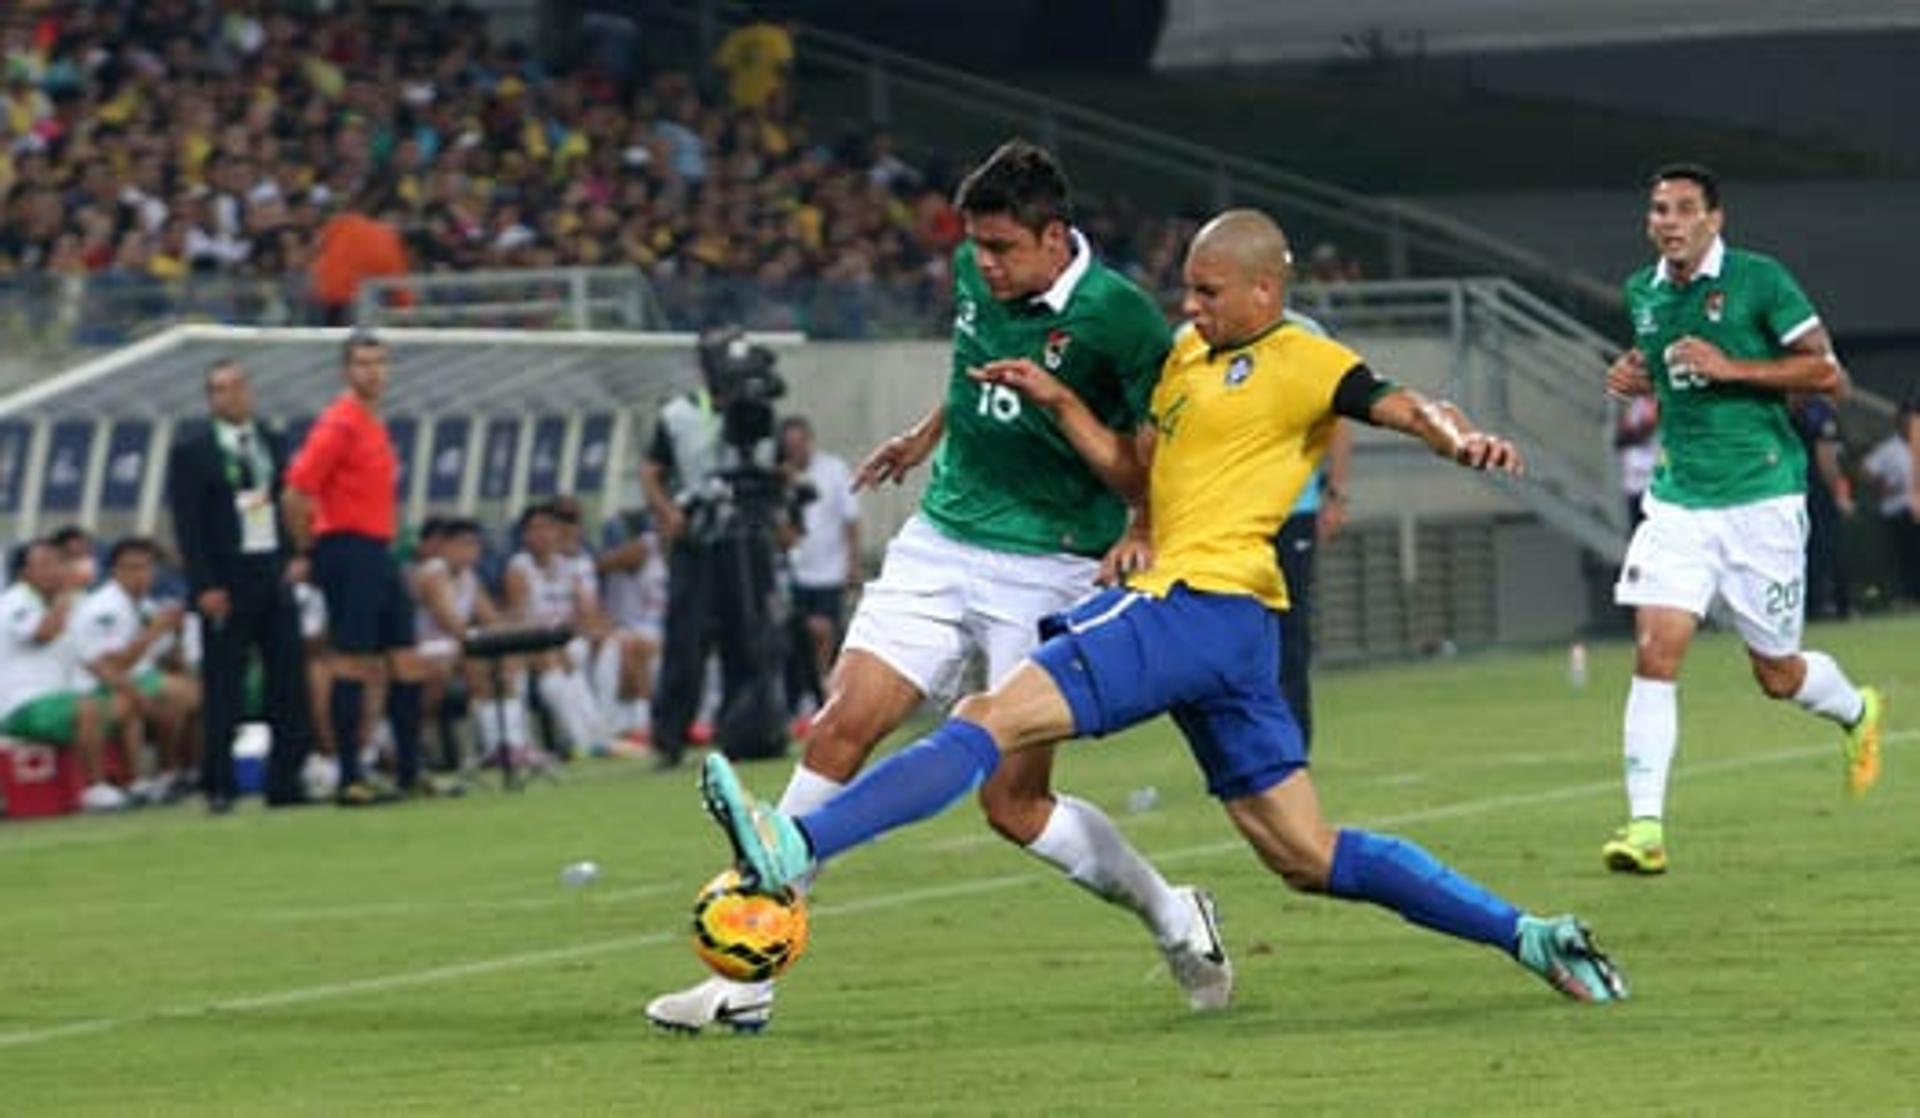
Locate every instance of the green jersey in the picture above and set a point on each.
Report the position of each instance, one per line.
(1005, 477)
(1722, 444)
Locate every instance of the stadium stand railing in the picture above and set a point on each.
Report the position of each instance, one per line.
(529, 299)
(885, 88)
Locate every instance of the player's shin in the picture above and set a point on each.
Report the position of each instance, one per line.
(1650, 734)
(919, 781)
(1827, 692)
(1400, 875)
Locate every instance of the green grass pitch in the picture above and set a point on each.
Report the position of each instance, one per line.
(426, 959)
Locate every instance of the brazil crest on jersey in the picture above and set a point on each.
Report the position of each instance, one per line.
(1005, 478)
(1722, 444)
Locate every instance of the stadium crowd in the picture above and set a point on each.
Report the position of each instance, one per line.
(303, 148)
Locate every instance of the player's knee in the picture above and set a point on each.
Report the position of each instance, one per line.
(1015, 814)
(1656, 659)
(838, 742)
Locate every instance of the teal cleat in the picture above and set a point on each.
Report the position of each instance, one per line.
(1561, 950)
(768, 847)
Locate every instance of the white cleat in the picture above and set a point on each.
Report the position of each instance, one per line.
(1199, 960)
(744, 1007)
(103, 797)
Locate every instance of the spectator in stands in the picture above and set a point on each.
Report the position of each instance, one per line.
(353, 247)
(1892, 469)
(546, 587)
(225, 481)
(339, 503)
(824, 562)
(128, 648)
(755, 58)
(38, 700)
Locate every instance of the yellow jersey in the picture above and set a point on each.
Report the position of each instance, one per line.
(1239, 433)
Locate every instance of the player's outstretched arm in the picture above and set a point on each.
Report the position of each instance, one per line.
(1446, 429)
(1111, 455)
(894, 459)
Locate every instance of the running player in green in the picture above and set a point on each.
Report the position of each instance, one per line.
(1023, 503)
(1721, 337)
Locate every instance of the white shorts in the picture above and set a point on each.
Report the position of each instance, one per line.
(938, 600)
(1752, 556)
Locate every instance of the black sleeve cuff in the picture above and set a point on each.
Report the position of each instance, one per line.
(1358, 389)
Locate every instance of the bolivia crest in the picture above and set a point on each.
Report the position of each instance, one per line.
(1056, 350)
(1716, 305)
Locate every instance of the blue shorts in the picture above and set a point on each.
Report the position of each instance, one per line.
(1212, 661)
(368, 607)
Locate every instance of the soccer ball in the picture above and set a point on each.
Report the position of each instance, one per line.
(744, 934)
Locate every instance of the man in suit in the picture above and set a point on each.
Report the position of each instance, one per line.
(224, 490)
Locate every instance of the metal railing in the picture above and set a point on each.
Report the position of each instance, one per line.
(1108, 154)
(532, 299)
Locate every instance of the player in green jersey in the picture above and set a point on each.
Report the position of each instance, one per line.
(1024, 500)
(1721, 337)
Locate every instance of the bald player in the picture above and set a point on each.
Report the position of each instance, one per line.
(1241, 417)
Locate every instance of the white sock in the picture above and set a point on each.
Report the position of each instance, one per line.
(1083, 843)
(1827, 692)
(486, 721)
(637, 714)
(1652, 732)
(606, 681)
(806, 790)
(557, 692)
(517, 721)
(587, 709)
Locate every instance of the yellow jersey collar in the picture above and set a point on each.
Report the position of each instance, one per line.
(1214, 351)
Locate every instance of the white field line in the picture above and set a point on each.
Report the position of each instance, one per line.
(382, 983)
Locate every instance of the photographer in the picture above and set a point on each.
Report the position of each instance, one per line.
(720, 506)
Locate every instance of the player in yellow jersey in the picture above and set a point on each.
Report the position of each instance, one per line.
(1242, 413)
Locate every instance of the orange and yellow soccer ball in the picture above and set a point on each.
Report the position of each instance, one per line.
(745, 935)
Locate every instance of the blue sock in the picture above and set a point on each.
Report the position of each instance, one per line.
(344, 702)
(1399, 875)
(921, 780)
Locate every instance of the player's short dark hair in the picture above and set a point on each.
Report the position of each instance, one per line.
(461, 526)
(132, 545)
(565, 509)
(1696, 173)
(1020, 179)
(796, 423)
(66, 534)
(433, 527)
(540, 509)
(358, 339)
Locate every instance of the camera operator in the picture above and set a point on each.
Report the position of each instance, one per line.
(719, 504)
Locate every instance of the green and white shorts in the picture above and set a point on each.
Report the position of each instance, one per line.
(1753, 557)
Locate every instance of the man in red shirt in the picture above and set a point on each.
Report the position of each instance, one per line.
(340, 503)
